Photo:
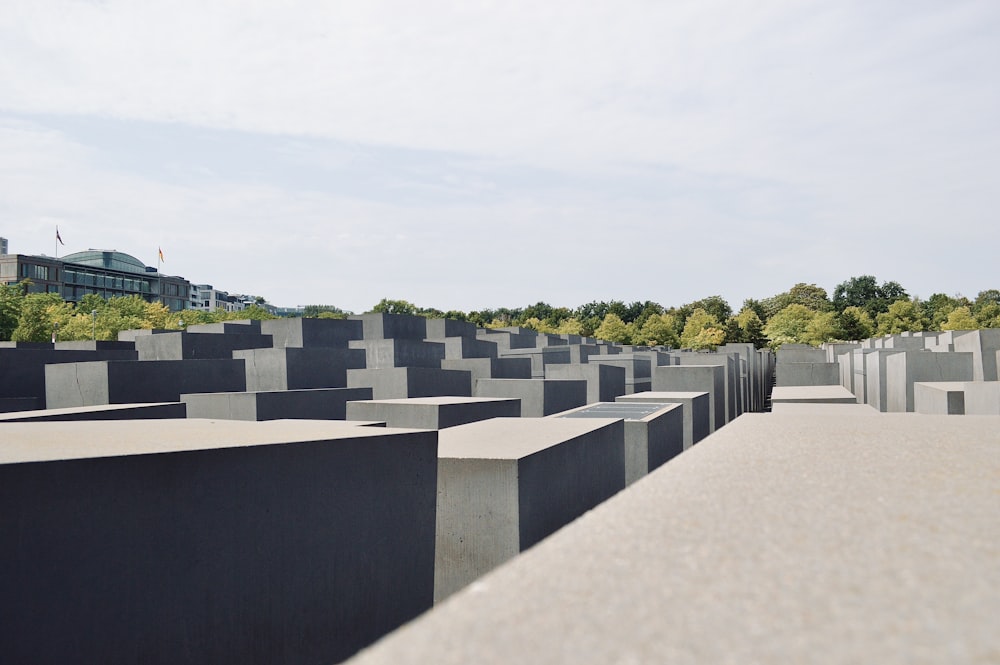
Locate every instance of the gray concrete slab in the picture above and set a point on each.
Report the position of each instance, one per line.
(823, 409)
(779, 539)
(402, 382)
(654, 433)
(808, 374)
(309, 333)
(197, 346)
(491, 368)
(983, 345)
(311, 404)
(401, 352)
(604, 382)
(903, 370)
(22, 368)
(146, 411)
(211, 541)
(507, 483)
(539, 397)
(812, 395)
(297, 368)
(128, 381)
(696, 378)
(697, 414)
(433, 412)
(973, 398)
(391, 326)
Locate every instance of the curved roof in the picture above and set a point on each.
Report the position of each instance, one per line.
(109, 259)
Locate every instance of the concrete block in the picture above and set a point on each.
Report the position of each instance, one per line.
(402, 382)
(315, 404)
(696, 378)
(834, 350)
(211, 542)
(239, 327)
(438, 329)
(638, 370)
(539, 397)
(392, 326)
(433, 412)
(541, 357)
(731, 388)
(905, 369)
(697, 422)
(308, 333)
(94, 345)
(192, 346)
(295, 368)
(812, 395)
(983, 345)
(976, 398)
(823, 409)
(908, 507)
(150, 411)
(468, 347)
(17, 404)
(875, 377)
(506, 340)
(505, 484)
(400, 352)
(22, 369)
(800, 353)
(808, 374)
(128, 381)
(604, 382)
(491, 368)
(654, 433)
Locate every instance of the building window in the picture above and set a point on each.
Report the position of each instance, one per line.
(40, 273)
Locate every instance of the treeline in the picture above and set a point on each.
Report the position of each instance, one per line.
(859, 308)
(37, 317)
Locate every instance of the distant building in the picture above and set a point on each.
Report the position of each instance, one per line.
(107, 273)
(3, 246)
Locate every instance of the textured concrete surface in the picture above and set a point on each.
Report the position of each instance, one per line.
(212, 542)
(433, 412)
(696, 411)
(539, 397)
(905, 369)
(813, 394)
(313, 404)
(779, 539)
(808, 374)
(148, 411)
(821, 409)
(696, 378)
(505, 484)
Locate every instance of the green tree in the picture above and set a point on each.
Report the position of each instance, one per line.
(314, 311)
(11, 301)
(865, 292)
(856, 324)
(824, 327)
(659, 329)
(386, 306)
(35, 323)
(570, 326)
(752, 327)
(902, 316)
(613, 329)
(960, 318)
(698, 321)
(709, 338)
(789, 326)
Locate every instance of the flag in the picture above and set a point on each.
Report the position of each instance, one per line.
(58, 237)
(161, 255)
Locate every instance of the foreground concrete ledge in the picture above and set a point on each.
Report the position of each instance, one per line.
(40, 442)
(823, 394)
(823, 409)
(141, 411)
(780, 539)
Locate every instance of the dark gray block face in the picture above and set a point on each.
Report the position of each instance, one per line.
(438, 329)
(22, 370)
(126, 381)
(654, 433)
(241, 327)
(17, 404)
(636, 369)
(468, 347)
(154, 411)
(539, 397)
(392, 326)
(278, 545)
(491, 368)
(800, 353)
(317, 404)
(308, 333)
(908, 505)
(604, 382)
(402, 352)
(508, 340)
(196, 346)
(507, 483)
(905, 369)
(983, 345)
(696, 412)
(433, 412)
(812, 395)
(402, 382)
(541, 357)
(696, 378)
(291, 368)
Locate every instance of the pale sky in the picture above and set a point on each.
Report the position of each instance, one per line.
(485, 154)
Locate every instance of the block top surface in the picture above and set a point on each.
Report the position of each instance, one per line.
(513, 438)
(663, 395)
(48, 441)
(623, 410)
(778, 539)
(444, 399)
(779, 393)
